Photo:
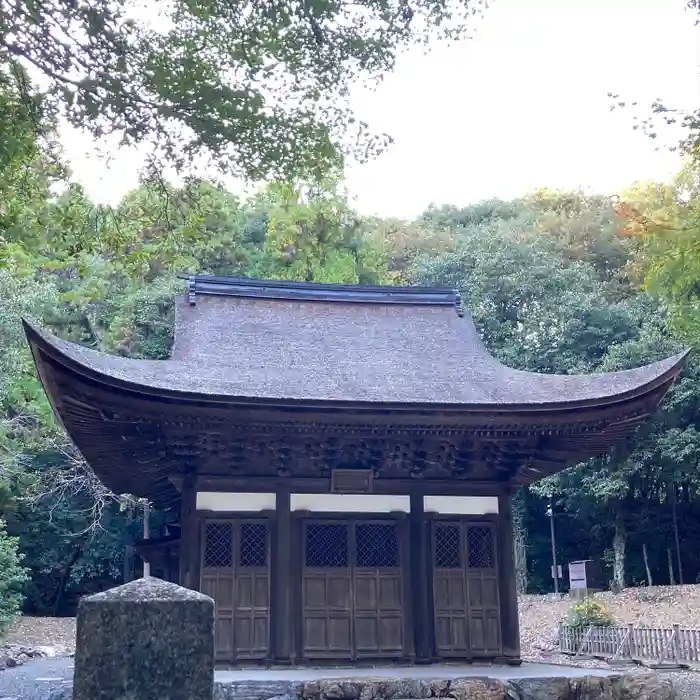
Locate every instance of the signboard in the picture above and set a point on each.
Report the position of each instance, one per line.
(586, 574)
(351, 481)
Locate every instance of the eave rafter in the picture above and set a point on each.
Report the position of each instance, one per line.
(136, 443)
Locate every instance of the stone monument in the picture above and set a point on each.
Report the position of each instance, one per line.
(145, 639)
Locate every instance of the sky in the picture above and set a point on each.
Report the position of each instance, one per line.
(521, 105)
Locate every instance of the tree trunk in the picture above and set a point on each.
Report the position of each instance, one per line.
(74, 556)
(646, 564)
(520, 564)
(520, 542)
(676, 536)
(671, 577)
(619, 551)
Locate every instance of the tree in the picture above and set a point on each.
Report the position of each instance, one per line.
(586, 228)
(260, 88)
(546, 301)
(663, 219)
(535, 309)
(313, 235)
(12, 578)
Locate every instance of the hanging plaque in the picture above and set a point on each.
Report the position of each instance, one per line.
(351, 481)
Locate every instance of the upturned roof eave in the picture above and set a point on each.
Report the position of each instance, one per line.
(41, 342)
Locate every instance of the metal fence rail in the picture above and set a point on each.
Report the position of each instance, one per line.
(651, 646)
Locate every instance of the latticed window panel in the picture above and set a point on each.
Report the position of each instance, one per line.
(253, 545)
(480, 549)
(376, 546)
(218, 545)
(448, 547)
(326, 545)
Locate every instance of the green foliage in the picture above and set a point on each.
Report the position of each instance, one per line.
(260, 88)
(552, 279)
(535, 309)
(589, 613)
(551, 288)
(664, 221)
(12, 578)
(313, 235)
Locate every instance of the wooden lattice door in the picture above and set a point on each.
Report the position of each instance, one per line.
(236, 574)
(465, 590)
(327, 627)
(378, 608)
(352, 593)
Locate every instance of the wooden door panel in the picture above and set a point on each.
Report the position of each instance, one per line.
(217, 581)
(340, 634)
(220, 589)
(352, 590)
(252, 637)
(450, 591)
(465, 589)
(391, 634)
(378, 636)
(338, 592)
(483, 591)
(223, 638)
(390, 592)
(235, 573)
(482, 586)
(485, 633)
(252, 630)
(252, 592)
(451, 635)
(326, 590)
(378, 590)
(366, 596)
(252, 615)
(327, 635)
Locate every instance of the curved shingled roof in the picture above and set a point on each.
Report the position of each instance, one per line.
(262, 373)
(279, 342)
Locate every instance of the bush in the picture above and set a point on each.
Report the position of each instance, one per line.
(589, 613)
(12, 579)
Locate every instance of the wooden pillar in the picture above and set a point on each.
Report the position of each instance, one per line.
(510, 626)
(189, 535)
(422, 606)
(282, 580)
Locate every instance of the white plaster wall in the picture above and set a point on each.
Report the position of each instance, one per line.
(349, 503)
(461, 505)
(245, 502)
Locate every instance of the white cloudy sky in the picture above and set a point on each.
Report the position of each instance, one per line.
(523, 104)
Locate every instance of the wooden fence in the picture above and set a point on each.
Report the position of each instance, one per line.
(649, 646)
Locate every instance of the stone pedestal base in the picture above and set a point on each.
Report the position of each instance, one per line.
(146, 639)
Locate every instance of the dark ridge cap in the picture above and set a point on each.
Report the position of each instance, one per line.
(316, 291)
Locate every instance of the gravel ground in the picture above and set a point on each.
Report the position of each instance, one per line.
(661, 606)
(56, 632)
(35, 680)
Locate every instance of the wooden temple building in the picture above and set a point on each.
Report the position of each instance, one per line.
(338, 463)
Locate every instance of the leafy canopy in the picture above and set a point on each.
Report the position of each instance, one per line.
(663, 219)
(259, 87)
